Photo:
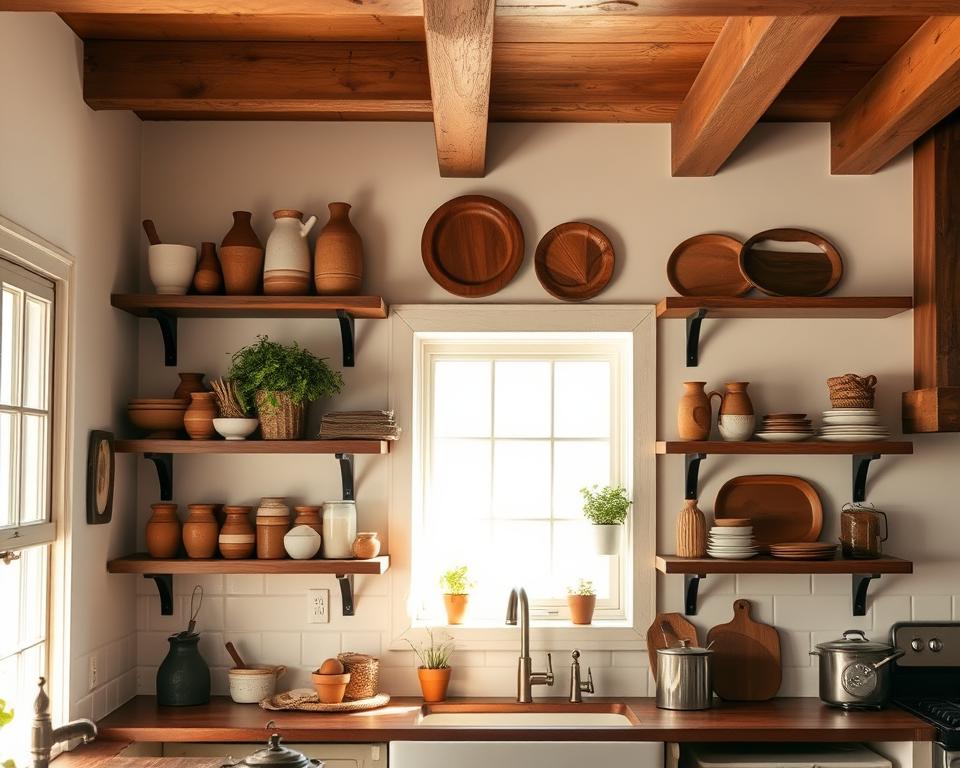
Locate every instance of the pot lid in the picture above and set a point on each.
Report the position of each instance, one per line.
(275, 755)
(684, 649)
(854, 640)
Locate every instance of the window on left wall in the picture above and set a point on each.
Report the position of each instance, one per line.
(26, 526)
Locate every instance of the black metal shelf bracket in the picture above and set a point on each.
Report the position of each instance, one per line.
(164, 465)
(347, 337)
(691, 474)
(346, 475)
(861, 583)
(164, 583)
(168, 329)
(346, 592)
(693, 337)
(861, 466)
(691, 586)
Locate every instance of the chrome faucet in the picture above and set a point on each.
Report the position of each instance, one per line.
(44, 736)
(577, 688)
(526, 678)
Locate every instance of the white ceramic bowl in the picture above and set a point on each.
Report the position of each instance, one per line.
(171, 267)
(731, 530)
(255, 683)
(235, 429)
(736, 428)
(302, 542)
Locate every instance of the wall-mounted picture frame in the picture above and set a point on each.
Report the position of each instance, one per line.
(100, 472)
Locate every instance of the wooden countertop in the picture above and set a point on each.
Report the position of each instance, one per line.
(784, 719)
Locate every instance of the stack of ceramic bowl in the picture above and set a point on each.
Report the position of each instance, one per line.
(731, 539)
(785, 427)
(852, 424)
(160, 417)
(804, 550)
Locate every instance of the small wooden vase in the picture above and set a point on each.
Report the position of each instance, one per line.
(693, 413)
(208, 278)
(338, 260)
(241, 257)
(237, 537)
(691, 531)
(200, 532)
(163, 531)
(198, 419)
(433, 683)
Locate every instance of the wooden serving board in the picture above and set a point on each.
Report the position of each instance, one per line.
(746, 657)
(667, 630)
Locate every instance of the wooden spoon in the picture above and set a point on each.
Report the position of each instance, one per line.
(235, 655)
(151, 229)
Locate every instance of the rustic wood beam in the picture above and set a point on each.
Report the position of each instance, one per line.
(915, 89)
(459, 36)
(752, 60)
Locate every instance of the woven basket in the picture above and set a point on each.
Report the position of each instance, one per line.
(364, 675)
(283, 421)
(863, 402)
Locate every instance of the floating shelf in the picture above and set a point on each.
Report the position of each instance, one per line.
(166, 309)
(695, 569)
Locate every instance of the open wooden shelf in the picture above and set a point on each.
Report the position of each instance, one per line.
(147, 304)
(767, 564)
(143, 563)
(808, 447)
(253, 446)
(682, 307)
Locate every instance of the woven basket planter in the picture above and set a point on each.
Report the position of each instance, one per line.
(364, 675)
(283, 421)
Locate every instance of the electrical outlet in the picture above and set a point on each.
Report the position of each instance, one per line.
(318, 606)
(92, 673)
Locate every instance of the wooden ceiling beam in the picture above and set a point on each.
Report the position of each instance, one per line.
(912, 92)
(748, 66)
(459, 35)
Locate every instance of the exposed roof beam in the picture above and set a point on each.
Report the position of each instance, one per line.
(746, 69)
(912, 92)
(459, 36)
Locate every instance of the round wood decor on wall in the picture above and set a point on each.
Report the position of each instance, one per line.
(707, 265)
(574, 261)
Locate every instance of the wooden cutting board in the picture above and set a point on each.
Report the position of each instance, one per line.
(667, 630)
(746, 657)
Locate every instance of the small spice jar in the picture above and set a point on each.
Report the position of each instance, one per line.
(237, 536)
(366, 545)
(273, 522)
(308, 515)
(200, 531)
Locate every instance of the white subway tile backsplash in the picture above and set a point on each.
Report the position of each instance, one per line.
(146, 681)
(888, 610)
(315, 647)
(210, 617)
(773, 584)
(794, 648)
(281, 648)
(931, 608)
(630, 659)
(831, 584)
(211, 583)
(817, 612)
(361, 642)
(243, 584)
(799, 682)
(253, 614)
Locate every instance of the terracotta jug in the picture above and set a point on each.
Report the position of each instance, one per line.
(691, 531)
(199, 416)
(241, 256)
(693, 414)
(338, 264)
(735, 419)
(189, 383)
(163, 531)
(208, 278)
(200, 531)
(286, 268)
(237, 537)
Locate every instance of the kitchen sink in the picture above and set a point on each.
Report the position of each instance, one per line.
(539, 715)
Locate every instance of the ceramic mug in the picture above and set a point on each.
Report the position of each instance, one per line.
(255, 683)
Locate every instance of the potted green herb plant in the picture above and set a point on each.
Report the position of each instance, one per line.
(606, 509)
(280, 379)
(434, 667)
(456, 588)
(582, 600)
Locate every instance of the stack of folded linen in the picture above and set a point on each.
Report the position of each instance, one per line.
(367, 425)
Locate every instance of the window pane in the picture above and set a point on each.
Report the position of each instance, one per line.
(10, 626)
(523, 555)
(521, 478)
(522, 399)
(33, 592)
(460, 481)
(582, 399)
(36, 353)
(9, 336)
(577, 464)
(461, 398)
(8, 485)
(577, 537)
(33, 488)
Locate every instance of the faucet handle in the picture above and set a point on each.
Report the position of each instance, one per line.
(588, 686)
(549, 675)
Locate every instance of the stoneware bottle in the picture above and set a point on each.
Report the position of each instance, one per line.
(163, 531)
(199, 416)
(237, 537)
(693, 413)
(241, 256)
(200, 531)
(286, 268)
(183, 679)
(735, 419)
(338, 265)
(189, 382)
(691, 531)
(208, 278)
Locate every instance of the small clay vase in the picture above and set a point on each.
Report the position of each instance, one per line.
(198, 419)
(308, 515)
(338, 259)
(735, 419)
(691, 531)
(241, 257)
(200, 531)
(163, 531)
(189, 383)
(693, 413)
(366, 545)
(237, 538)
(208, 278)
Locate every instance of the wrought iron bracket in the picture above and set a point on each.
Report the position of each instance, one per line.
(861, 583)
(346, 592)
(168, 329)
(861, 466)
(691, 586)
(691, 474)
(693, 337)
(164, 583)
(347, 337)
(346, 475)
(164, 465)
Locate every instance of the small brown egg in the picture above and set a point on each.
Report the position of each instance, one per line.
(331, 667)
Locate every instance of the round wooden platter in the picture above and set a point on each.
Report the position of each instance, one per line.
(781, 508)
(791, 273)
(472, 246)
(574, 261)
(707, 265)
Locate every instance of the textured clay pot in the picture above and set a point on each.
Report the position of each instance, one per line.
(237, 537)
(338, 262)
(433, 683)
(366, 545)
(693, 413)
(306, 514)
(200, 531)
(163, 531)
(208, 277)
(286, 268)
(581, 608)
(735, 419)
(189, 382)
(456, 606)
(241, 257)
(198, 420)
(691, 531)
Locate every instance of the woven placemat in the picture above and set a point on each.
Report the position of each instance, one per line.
(305, 700)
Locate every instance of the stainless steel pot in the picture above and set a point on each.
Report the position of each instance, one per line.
(855, 672)
(684, 679)
(274, 756)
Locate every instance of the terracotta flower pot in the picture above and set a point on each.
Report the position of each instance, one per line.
(198, 420)
(163, 531)
(456, 606)
(581, 608)
(200, 532)
(338, 263)
(433, 683)
(241, 257)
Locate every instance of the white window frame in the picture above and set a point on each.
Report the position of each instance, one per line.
(412, 323)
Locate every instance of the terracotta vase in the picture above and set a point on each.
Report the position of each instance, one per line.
(198, 420)
(735, 419)
(308, 515)
(691, 531)
(237, 537)
(456, 606)
(433, 683)
(286, 267)
(581, 608)
(208, 278)
(241, 257)
(338, 261)
(189, 383)
(200, 531)
(163, 531)
(366, 545)
(693, 413)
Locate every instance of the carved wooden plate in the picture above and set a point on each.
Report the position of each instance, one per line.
(791, 273)
(574, 261)
(707, 265)
(781, 508)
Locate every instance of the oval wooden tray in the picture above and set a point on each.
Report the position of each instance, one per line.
(781, 508)
(707, 265)
(791, 273)
(472, 246)
(305, 700)
(574, 261)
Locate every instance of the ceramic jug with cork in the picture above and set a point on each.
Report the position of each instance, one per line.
(286, 268)
(693, 412)
(735, 419)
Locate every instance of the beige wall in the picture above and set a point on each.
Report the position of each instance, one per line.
(72, 176)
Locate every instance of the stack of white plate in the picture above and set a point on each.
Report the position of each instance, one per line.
(731, 542)
(851, 425)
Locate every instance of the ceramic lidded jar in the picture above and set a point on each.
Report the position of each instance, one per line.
(735, 419)
(163, 531)
(693, 412)
(286, 268)
(338, 261)
(200, 531)
(237, 538)
(366, 545)
(273, 522)
(208, 278)
(189, 383)
(241, 256)
(199, 416)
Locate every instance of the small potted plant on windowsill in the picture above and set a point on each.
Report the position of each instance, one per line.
(456, 588)
(606, 509)
(582, 600)
(434, 668)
